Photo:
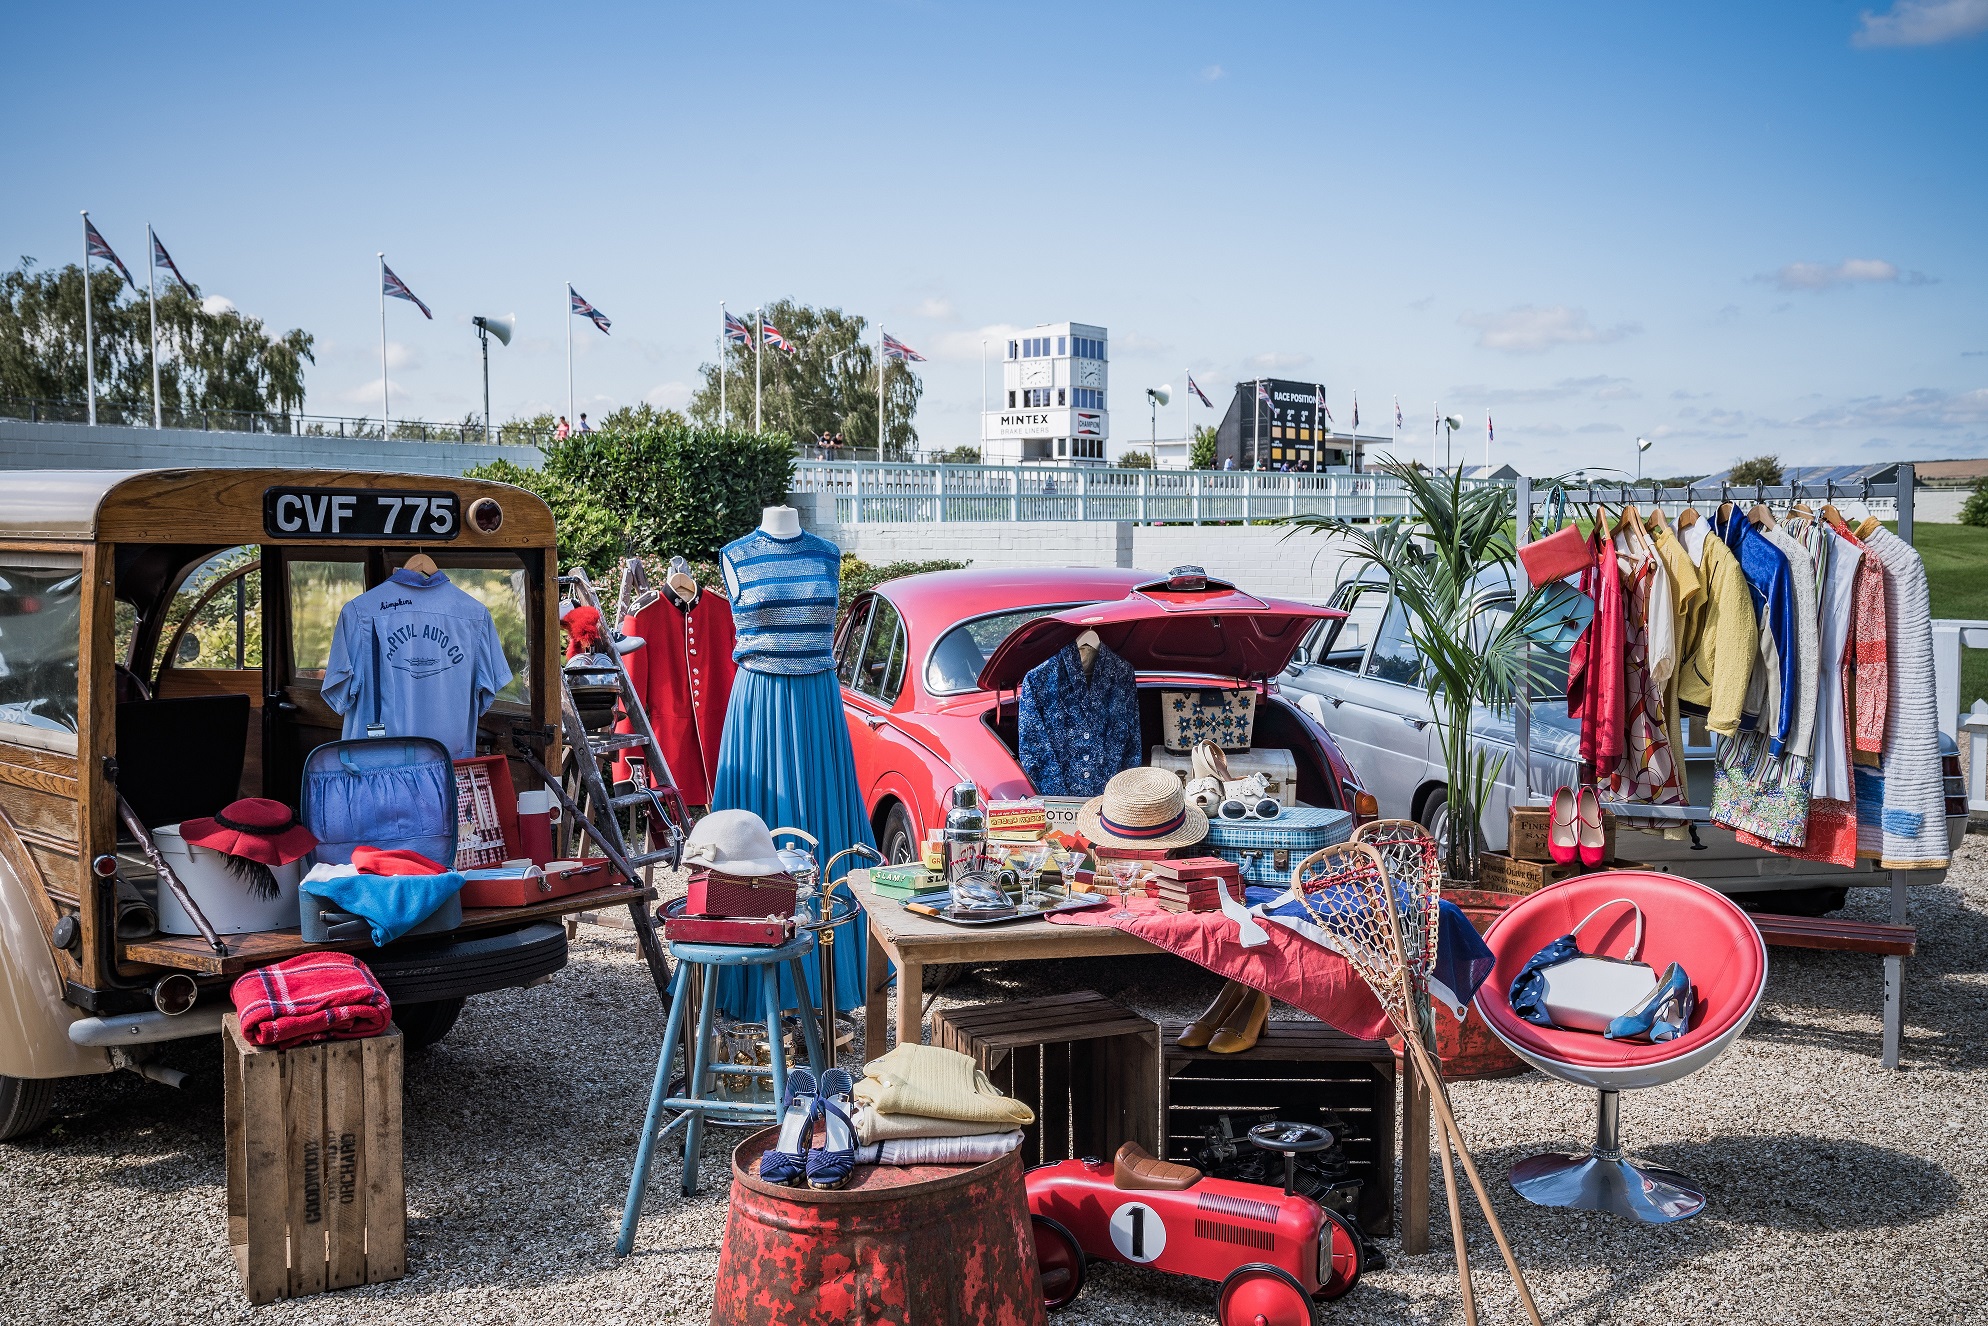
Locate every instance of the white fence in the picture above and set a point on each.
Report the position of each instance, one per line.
(871, 493)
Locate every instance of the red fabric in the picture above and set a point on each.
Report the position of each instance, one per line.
(1831, 837)
(254, 828)
(1595, 687)
(309, 998)
(583, 631)
(1871, 692)
(1685, 923)
(394, 861)
(683, 674)
(1290, 967)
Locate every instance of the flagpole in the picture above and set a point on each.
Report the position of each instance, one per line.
(1186, 424)
(724, 356)
(152, 305)
(758, 335)
(572, 420)
(385, 408)
(880, 394)
(89, 333)
(1256, 430)
(1487, 443)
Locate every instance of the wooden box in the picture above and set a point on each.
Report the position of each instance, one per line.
(1089, 1068)
(316, 1198)
(1527, 839)
(1296, 1071)
(1498, 873)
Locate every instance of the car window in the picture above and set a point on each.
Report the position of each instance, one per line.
(221, 616)
(849, 644)
(1343, 643)
(318, 590)
(41, 635)
(954, 667)
(1395, 657)
(880, 671)
(1565, 617)
(501, 588)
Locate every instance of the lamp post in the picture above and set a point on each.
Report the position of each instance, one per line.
(1156, 397)
(1450, 424)
(1642, 445)
(501, 328)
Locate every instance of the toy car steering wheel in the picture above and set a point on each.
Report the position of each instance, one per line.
(1291, 1139)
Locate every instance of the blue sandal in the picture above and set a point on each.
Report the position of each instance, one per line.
(829, 1165)
(787, 1161)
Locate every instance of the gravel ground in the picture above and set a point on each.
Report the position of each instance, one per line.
(1840, 1191)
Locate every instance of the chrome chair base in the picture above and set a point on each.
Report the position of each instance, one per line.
(1603, 1179)
(1615, 1184)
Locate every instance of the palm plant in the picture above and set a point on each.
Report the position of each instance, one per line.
(1434, 559)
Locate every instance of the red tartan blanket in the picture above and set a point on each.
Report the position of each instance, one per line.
(1289, 967)
(308, 998)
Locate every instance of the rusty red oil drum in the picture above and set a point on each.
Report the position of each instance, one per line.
(934, 1245)
(1467, 1050)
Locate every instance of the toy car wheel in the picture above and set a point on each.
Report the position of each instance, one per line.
(1259, 1295)
(1058, 1261)
(1349, 1257)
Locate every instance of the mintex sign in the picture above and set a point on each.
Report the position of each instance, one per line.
(1031, 423)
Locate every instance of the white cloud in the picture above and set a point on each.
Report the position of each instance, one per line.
(938, 308)
(964, 346)
(1926, 407)
(1851, 271)
(1530, 330)
(671, 396)
(1923, 23)
(1604, 387)
(1276, 361)
(1213, 73)
(401, 355)
(216, 304)
(1599, 427)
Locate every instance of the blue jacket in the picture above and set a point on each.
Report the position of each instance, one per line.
(1077, 731)
(1773, 586)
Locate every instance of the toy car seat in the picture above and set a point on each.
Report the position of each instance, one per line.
(1136, 1169)
(1687, 923)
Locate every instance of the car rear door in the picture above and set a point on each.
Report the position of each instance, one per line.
(1364, 680)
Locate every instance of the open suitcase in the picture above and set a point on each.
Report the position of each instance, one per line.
(389, 792)
(1267, 849)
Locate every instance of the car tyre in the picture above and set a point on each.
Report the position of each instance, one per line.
(1059, 1262)
(1435, 818)
(422, 1025)
(24, 1105)
(899, 840)
(1262, 1295)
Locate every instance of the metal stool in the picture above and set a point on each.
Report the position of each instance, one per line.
(700, 1103)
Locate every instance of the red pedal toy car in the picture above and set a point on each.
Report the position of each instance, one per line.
(1272, 1252)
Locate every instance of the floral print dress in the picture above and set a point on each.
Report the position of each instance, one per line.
(1649, 770)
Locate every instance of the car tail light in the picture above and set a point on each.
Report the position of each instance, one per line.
(1365, 808)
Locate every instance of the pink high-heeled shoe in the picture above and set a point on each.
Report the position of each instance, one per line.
(1562, 840)
(1588, 830)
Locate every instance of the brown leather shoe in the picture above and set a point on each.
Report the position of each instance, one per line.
(1136, 1169)
(1244, 1025)
(1198, 1031)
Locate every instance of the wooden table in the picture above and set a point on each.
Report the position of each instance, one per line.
(912, 941)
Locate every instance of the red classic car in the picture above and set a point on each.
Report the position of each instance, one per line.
(930, 664)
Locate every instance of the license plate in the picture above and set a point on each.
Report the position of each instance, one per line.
(359, 513)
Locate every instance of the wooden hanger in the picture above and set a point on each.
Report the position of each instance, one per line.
(421, 563)
(1760, 516)
(1801, 509)
(1835, 518)
(1657, 521)
(1868, 526)
(1687, 518)
(1725, 513)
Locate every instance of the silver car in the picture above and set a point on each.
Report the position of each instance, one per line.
(1361, 677)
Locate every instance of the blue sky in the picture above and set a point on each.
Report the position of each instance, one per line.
(1729, 228)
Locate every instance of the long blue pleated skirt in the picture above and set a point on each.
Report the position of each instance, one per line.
(785, 757)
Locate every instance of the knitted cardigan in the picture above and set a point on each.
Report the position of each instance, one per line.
(1914, 816)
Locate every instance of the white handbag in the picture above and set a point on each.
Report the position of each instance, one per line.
(1587, 992)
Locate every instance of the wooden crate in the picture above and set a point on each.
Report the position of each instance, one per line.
(1089, 1068)
(316, 1197)
(1499, 873)
(1297, 1071)
(1527, 838)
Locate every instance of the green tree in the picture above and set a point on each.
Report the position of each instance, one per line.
(1764, 470)
(1201, 454)
(828, 386)
(1974, 511)
(636, 418)
(960, 455)
(1136, 460)
(209, 360)
(589, 533)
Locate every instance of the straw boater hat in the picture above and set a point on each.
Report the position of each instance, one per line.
(1142, 808)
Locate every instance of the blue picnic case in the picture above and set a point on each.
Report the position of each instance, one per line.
(1267, 849)
(387, 792)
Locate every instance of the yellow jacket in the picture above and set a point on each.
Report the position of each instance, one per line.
(1716, 672)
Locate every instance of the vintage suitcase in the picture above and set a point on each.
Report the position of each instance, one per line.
(387, 792)
(523, 885)
(1225, 717)
(1267, 849)
(1278, 767)
(714, 893)
(761, 933)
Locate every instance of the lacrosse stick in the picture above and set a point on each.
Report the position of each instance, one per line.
(1358, 907)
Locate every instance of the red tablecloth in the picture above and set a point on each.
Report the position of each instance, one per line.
(1289, 967)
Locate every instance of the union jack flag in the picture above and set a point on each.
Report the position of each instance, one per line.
(96, 246)
(160, 258)
(1489, 435)
(396, 287)
(1397, 411)
(736, 331)
(1318, 401)
(771, 335)
(896, 349)
(584, 309)
(1202, 395)
(1356, 411)
(1263, 393)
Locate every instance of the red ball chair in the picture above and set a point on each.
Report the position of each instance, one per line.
(1687, 923)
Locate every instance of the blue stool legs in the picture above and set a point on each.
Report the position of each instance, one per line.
(700, 1062)
(645, 1152)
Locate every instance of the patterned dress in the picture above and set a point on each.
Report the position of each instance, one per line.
(1648, 771)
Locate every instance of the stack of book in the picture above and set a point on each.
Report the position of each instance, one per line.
(1022, 820)
(902, 882)
(1194, 884)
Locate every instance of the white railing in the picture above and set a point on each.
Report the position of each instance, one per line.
(867, 493)
(1950, 637)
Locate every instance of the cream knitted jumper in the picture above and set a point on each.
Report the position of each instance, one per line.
(1915, 818)
(937, 1084)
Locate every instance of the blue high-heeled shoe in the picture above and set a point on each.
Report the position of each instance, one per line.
(1664, 1014)
(830, 1164)
(786, 1161)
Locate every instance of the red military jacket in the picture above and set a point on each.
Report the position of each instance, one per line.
(683, 673)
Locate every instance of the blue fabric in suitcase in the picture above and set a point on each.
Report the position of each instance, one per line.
(389, 792)
(1267, 849)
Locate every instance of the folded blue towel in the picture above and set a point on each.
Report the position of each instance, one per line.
(391, 904)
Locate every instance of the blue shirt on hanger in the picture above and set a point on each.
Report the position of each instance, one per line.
(1773, 586)
(418, 656)
(1076, 731)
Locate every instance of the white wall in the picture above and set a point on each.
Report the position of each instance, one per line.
(1939, 506)
(1257, 558)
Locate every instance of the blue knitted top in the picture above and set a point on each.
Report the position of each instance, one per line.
(783, 601)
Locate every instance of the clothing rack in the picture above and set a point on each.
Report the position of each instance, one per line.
(1653, 494)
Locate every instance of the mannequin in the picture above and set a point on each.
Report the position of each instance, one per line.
(780, 522)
